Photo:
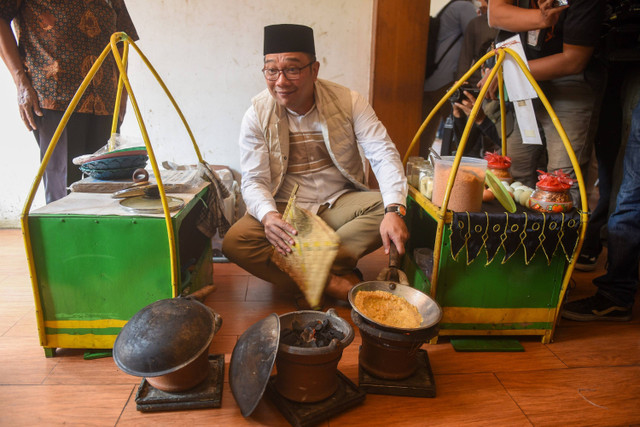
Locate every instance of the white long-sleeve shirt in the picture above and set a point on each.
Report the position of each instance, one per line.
(327, 185)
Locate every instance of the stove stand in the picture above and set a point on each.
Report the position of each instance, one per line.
(207, 394)
(306, 414)
(419, 384)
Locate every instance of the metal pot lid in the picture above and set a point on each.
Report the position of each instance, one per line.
(164, 337)
(427, 307)
(150, 205)
(252, 362)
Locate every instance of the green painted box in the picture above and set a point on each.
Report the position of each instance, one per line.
(510, 298)
(96, 269)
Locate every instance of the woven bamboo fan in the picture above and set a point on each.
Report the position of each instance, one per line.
(316, 246)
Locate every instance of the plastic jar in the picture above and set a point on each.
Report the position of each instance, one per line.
(466, 194)
(412, 160)
(414, 178)
(502, 173)
(499, 166)
(425, 180)
(549, 199)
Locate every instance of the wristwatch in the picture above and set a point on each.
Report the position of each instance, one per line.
(400, 210)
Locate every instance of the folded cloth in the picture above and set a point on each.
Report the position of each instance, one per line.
(552, 233)
(212, 217)
(533, 231)
(478, 228)
(495, 234)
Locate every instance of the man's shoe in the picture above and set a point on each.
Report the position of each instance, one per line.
(596, 307)
(586, 262)
(338, 287)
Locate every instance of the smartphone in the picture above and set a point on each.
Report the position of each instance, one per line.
(558, 3)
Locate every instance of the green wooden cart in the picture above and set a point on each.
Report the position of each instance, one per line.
(95, 271)
(481, 297)
(498, 298)
(91, 272)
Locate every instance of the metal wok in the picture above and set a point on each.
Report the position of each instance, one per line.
(429, 309)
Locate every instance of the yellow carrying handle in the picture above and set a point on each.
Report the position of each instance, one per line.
(123, 81)
(116, 108)
(498, 71)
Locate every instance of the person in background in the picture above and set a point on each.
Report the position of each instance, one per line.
(617, 288)
(620, 52)
(483, 136)
(312, 132)
(453, 21)
(607, 145)
(559, 43)
(478, 38)
(57, 44)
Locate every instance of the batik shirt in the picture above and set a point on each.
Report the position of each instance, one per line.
(59, 41)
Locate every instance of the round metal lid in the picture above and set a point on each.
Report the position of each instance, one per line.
(144, 204)
(164, 337)
(252, 362)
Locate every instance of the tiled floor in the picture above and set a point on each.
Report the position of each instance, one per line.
(589, 375)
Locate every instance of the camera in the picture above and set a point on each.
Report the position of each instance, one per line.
(459, 96)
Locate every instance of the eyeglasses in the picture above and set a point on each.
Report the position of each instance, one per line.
(291, 73)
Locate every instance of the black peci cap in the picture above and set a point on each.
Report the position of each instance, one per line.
(288, 38)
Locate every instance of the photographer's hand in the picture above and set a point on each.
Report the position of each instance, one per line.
(466, 105)
(457, 110)
(493, 86)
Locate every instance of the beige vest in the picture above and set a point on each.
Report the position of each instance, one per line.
(336, 119)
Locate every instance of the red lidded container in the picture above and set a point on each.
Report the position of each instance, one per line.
(499, 166)
(552, 193)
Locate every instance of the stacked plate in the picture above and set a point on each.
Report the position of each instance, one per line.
(115, 164)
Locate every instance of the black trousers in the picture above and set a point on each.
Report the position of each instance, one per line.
(83, 134)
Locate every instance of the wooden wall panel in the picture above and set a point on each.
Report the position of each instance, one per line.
(398, 60)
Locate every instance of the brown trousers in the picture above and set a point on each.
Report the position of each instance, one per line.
(355, 216)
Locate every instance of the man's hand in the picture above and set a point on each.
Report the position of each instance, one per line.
(393, 230)
(28, 104)
(492, 91)
(549, 13)
(503, 14)
(465, 107)
(275, 229)
(27, 97)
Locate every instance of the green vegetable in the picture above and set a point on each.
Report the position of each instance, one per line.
(500, 192)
